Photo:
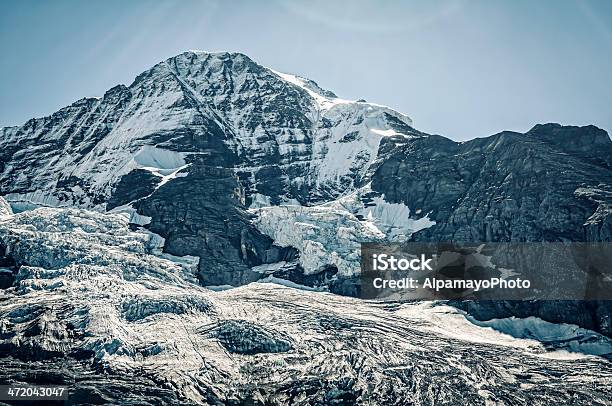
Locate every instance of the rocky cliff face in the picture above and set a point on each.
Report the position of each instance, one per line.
(264, 175)
(552, 183)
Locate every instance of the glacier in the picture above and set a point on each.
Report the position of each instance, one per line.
(91, 295)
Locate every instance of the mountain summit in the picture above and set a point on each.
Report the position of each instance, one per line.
(284, 135)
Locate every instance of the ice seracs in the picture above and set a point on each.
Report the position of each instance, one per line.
(324, 236)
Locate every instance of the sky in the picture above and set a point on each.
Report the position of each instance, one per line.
(459, 68)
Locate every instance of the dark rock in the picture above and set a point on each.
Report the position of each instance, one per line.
(135, 185)
(507, 187)
(295, 273)
(242, 337)
(553, 183)
(202, 214)
(346, 287)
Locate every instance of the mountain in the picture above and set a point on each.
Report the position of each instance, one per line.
(193, 141)
(283, 136)
(552, 183)
(262, 175)
(128, 216)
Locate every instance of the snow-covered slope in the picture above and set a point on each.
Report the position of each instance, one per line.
(93, 308)
(261, 122)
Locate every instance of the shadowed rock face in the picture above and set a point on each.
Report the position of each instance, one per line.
(552, 183)
(202, 214)
(544, 185)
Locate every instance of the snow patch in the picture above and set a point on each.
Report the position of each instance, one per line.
(562, 336)
(269, 268)
(394, 219)
(391, 219)
(259, 200)
(323, 102)
(132, 215)
(451, 322)
(389, 133)
(289, 284)
(163, 161)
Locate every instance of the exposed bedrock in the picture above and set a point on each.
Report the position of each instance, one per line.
(202, 214)
(544, 185)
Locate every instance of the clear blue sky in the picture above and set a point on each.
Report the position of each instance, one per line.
(463, 69)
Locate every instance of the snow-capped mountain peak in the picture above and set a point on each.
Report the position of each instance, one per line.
(252, 117)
